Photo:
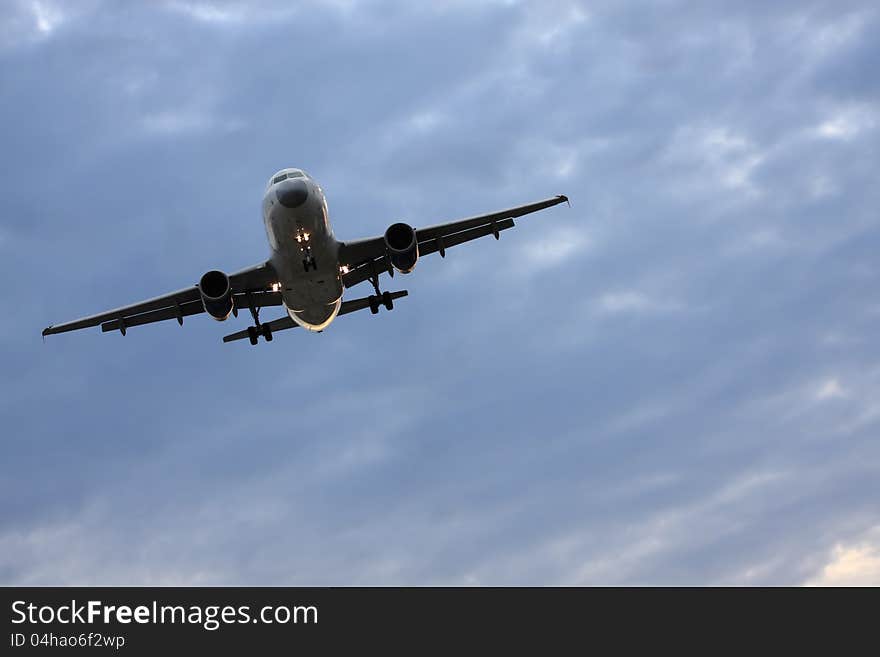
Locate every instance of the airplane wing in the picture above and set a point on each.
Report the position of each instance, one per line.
(367, 257)
(248, 285)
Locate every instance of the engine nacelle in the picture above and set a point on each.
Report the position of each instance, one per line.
(216, 294)
(403, 247)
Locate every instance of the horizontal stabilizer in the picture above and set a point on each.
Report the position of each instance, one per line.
(287, 323)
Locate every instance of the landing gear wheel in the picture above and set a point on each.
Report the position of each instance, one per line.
(309, 263)
(374, 304)
(267, 332)
(253, 336)
(387, 301)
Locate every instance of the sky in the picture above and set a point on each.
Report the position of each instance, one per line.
(675, 381)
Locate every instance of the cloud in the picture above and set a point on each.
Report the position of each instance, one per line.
(852, 564)
(830, 389)
(48, 17)
(231, 13)
(177, 122)
(35, 21)
(849, 123)
(553, 248)
(631, 301)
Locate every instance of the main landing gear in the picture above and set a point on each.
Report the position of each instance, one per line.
(254, 332)
(383, 299)
(380, 298)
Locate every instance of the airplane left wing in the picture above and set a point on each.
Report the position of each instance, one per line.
(250, 285)
(368, 257)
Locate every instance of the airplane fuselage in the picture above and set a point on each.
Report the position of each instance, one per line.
(304, 252)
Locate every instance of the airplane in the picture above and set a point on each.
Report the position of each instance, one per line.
(308, 269)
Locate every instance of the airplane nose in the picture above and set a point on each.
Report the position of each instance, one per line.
(291, 193)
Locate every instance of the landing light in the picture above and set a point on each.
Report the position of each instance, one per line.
(344, 269)
(276, 287)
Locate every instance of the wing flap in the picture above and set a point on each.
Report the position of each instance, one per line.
(433, 245)
(185, 310)
(182, 297)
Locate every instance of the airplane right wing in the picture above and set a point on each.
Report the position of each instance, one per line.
(248, 286)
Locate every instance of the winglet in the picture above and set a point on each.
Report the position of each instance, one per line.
(564, 199)
(47, 331)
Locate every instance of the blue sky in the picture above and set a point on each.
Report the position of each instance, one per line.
(675, 381)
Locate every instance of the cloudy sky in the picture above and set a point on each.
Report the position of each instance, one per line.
(675, 381)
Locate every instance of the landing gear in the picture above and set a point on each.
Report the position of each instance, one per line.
(383, 298)
(306, 250)
(254, 332)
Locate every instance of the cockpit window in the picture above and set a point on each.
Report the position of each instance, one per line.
(295, 174)
(278, 179)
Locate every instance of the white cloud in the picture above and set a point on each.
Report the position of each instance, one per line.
(425, 122)
(552, 24)
(847, 123)
(35, 21)
(47, 16)
(214, 12)
(854, 564)
(727, 156)
(633, 301)
(733, 156)
(831, 35)
(555, 247)
(178, 122)
(830, 389)
(669, 529)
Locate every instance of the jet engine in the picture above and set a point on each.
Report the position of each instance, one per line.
(216, 294)
(403, 247)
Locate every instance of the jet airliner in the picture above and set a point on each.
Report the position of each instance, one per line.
(308, 269)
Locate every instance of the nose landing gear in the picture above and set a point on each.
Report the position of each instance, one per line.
(305, 248)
